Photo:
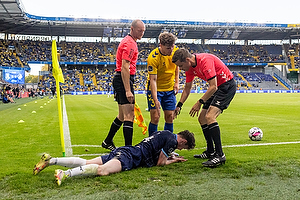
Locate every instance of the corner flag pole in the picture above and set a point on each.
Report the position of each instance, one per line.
(61, 130)
(59, 78)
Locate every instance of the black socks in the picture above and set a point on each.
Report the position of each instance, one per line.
(115, 126)
(214, 132)
(128, 132)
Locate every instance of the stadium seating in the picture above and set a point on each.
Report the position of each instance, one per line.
(27, 50)
(99, 78)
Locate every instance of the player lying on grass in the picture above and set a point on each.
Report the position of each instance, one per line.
(152, 151)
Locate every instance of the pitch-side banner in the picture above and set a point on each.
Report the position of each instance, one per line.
(14, 76)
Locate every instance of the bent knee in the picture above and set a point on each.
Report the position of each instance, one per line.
(102, 171)
(210, 118)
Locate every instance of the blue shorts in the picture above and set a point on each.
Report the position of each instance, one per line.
(167, 100)
(129, 156)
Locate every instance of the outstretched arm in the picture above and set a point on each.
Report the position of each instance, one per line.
(186, 92)
(210, 91)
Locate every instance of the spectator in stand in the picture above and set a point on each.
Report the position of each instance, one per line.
(8, 89)
(7, 99)
(17, 92)
(53, 90)
(31, 93)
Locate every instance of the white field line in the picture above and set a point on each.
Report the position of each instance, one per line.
(92, 154)
(85, 145)
(227, 146)
(67, 137)
(261, 144)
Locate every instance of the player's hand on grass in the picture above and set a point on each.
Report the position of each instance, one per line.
(174, 159)
(179, 159)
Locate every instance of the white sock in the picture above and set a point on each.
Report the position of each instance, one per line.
(85, 170)
(68, 161)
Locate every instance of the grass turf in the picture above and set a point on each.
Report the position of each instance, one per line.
(264, 172)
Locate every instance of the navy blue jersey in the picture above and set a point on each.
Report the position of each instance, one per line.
(146, 153)
(151, 147)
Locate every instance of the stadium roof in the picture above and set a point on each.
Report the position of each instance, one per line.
(13, 20)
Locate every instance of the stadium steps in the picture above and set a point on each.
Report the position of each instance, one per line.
(292, 60)
(81, 79)
(249, 85)
(200, 49)
(111, 58)
(94, 79)
(282, 82)
(18, 59)
(105, 49)
(255, 58)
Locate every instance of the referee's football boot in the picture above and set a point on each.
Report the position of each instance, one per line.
(215, 161)
(205, 155)
(42, 164)
(109, 146)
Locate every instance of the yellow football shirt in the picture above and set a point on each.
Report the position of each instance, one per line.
(163, 67)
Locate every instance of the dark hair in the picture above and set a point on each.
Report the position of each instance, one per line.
(181, 55)
(166, 38)
(190, 138)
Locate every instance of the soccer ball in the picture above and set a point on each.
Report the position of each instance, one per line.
(255, 134)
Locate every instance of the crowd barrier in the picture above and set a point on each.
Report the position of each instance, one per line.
(201, 91)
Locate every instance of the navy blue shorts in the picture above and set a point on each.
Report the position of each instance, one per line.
(167, 100)
(223, 96)
(119, 89)
(129, 156)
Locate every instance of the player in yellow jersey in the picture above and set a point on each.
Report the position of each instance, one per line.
(162, 82)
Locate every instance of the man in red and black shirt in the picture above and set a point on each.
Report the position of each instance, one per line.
(217, 98)
(126, 58)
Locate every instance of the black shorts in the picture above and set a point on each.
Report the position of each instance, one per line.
(120, 90)
(223, 96)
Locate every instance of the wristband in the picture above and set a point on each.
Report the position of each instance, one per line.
(201, 101)
(179, 104)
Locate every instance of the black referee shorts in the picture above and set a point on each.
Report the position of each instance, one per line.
(120, 89)
(223, 96)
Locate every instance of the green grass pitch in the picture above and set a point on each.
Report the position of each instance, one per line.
(266, 169)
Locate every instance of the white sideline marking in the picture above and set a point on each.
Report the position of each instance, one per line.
(92, 154)
(67, 137)
(85, 145)
(261, 144)
(227, 146)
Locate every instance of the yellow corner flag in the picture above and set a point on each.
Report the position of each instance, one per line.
(57, 74)
(139, 119)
